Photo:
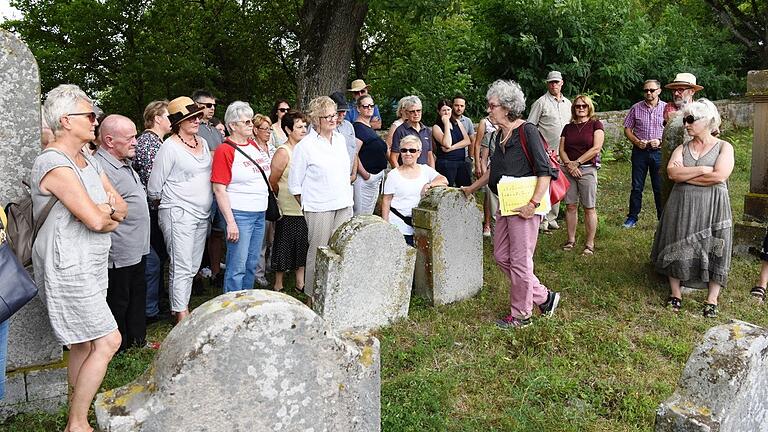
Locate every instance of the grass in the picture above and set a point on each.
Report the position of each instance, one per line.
(606, 360)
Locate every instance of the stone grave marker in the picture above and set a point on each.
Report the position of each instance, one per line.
(363, 278)
(724, 386)
(37, 380)
(252, 360)
(449, 241)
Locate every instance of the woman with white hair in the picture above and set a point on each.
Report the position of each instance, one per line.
(320, 180)
(241, 193)
(72, 247)
(694, 239)
(181, 181)
(515, 236)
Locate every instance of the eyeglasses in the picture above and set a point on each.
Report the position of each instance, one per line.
(283, 109)
(690, 119)
(580, 106)
(369, 106)
(329, 117)
(246, 122)
(409, 150)
(491, 106)
(207, 105)
(680, 90)
(91, 115)
(416, 111)
(362, 92)
(263, 128)
(649, 90)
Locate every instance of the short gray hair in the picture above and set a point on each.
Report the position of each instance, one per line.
(704, 109)
(236, 111)
(61, 101)
(510, 96)
(410, 101)
(411, 139)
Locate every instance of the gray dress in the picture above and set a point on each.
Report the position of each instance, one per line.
(70, 260)
(694, 238)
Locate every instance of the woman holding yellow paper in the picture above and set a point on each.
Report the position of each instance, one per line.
(515, 236)
(580, 145)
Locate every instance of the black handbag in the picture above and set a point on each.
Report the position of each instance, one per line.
(16, 286)
(273, 209)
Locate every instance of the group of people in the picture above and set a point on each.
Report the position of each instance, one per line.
(185, 184)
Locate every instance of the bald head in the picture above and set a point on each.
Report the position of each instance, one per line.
(118, 136)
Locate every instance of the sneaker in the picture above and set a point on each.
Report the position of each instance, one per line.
(262, 282)
(206, 272)
(553, 225)
(710, 310)
(548, 308)
(487, 231)
(510, 321)
(630, 223)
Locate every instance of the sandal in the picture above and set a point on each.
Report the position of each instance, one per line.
(674, 303)
(758, 292)
(568, 245)
(710, 310)
(588, 250)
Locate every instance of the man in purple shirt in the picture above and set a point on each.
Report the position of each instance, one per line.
(643, 127)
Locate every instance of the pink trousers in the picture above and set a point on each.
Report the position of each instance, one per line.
(514, 243)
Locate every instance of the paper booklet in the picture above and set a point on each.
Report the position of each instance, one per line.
(515, 192)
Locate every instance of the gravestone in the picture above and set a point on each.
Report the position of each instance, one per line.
(363, 278)
(724, 386)
(750, 231)
(252, 360)
(36, 377)
(448, 237)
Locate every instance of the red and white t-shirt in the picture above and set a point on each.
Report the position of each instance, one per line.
(245, 184)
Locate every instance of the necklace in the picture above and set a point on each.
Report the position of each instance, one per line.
(581, 127)
(187, 144)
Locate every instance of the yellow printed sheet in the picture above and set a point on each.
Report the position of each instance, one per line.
(515, 192)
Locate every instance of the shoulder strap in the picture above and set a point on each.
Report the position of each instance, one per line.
(524, 144)
(236, 147)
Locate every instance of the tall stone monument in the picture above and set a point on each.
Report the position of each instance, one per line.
(37, 379)
(724, 386)
(252, 360)
(751, 230)
(363, 278)
(449, 242)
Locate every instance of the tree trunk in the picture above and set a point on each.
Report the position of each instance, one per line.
(330, 29)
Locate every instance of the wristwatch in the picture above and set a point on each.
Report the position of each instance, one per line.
(535, 204)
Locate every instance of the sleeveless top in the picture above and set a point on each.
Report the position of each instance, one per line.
(287, 202)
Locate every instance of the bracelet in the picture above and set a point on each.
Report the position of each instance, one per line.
(535, 204)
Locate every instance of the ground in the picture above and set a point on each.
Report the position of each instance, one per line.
(604, 362)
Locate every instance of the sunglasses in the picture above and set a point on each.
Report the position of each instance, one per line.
(579, 106)
(409, 150)
(689, 119)
(369, 106)
(91, 115)
(207, 105)
(649, 90)
(282, 110)
(197, 117)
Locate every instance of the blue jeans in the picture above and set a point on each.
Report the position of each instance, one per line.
(153, 274)
(3, 354)
(243, 255)
(644, 162)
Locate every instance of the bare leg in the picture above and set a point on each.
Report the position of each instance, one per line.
(764, 274)
(89, 378)
(278, 281)
(487, 212)
(181, 315)
(674, 287)
(714, 291)
(571, 219)
(300, 278)
(77, 355)
(590, 224)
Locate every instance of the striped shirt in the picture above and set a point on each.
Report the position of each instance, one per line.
(646, 122)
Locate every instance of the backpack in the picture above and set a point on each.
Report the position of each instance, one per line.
(22, 228)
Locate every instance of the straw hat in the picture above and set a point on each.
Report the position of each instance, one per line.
(182, 108)
(684, 80)
(358, 85)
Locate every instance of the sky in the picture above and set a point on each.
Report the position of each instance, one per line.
(6, 11)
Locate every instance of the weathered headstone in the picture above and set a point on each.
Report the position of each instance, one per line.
(750, 231)
(252, 360)
(40, 382)
(363, 278)
(724, 386)
(449, 240)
